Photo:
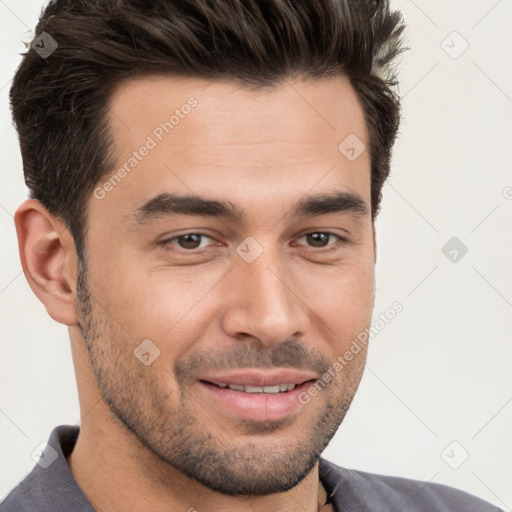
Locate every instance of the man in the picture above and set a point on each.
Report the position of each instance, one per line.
(204, 179)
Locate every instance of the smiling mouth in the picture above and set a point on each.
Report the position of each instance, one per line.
(270, 390)
(254, 394)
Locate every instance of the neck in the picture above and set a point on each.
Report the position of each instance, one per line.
(117, 473)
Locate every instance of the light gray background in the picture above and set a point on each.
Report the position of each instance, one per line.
(441, 370)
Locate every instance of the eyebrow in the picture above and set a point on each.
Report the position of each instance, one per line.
(168, 204)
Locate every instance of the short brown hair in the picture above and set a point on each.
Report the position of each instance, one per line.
(60, 103)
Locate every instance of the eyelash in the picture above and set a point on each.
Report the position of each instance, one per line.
(341, 241)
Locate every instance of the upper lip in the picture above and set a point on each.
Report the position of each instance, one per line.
(260, 377)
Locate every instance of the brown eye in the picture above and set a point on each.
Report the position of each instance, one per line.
(321, 239)
(318, 239)
(188, 241)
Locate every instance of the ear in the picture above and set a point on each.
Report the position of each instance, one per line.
(49, 259)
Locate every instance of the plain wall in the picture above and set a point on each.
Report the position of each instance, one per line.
(440, 371)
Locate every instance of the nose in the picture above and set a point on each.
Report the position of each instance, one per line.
(263, 302)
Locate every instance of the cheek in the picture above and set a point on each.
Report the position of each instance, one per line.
(160, 304)
(345, 293)
(342, 304)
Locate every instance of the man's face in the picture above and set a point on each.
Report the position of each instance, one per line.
(176, 305)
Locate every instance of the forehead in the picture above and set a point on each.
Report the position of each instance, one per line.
(197, 137)
(226, 112)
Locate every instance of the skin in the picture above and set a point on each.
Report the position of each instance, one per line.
(146, 431)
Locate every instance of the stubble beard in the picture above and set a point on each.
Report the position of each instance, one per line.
(164, 423)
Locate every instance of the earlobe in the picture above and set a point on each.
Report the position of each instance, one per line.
(48, 258)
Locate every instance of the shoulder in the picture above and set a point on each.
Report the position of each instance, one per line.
(50, 486)
(25, 496)
(385, 493)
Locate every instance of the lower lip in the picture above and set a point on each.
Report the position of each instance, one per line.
(255, 406)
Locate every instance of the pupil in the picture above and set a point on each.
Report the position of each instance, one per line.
(318, 237)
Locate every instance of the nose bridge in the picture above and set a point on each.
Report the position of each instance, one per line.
(264, 303)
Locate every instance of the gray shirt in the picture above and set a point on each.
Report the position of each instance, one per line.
(50, 487)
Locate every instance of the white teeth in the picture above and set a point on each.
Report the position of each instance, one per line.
(222, 385)
(252, 389)
(271, 389)
(278, 388)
